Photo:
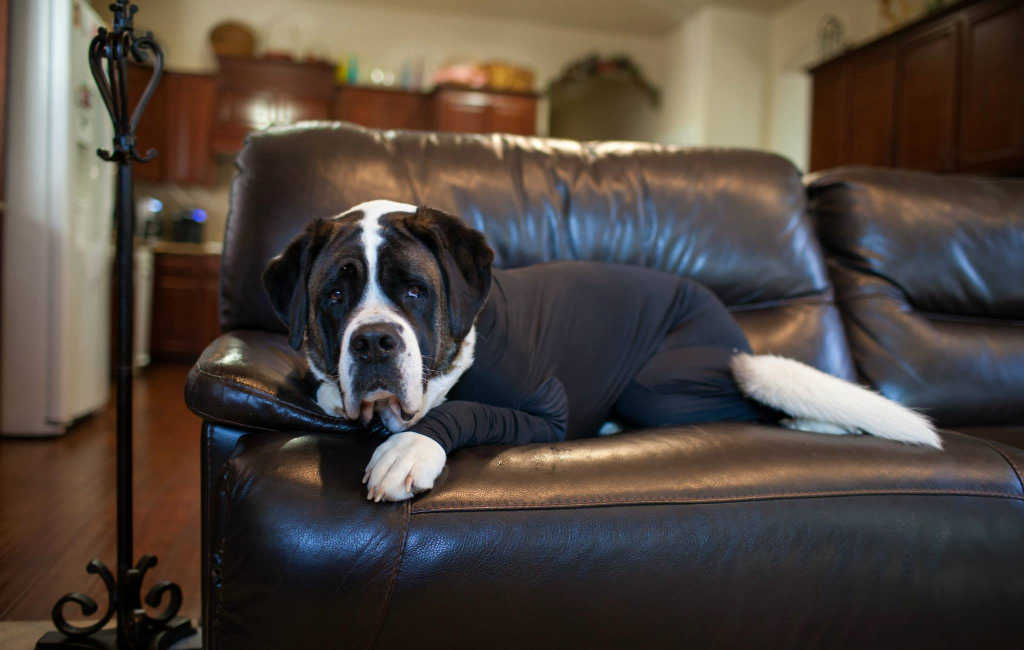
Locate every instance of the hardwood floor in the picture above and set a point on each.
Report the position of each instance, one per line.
(57, 502)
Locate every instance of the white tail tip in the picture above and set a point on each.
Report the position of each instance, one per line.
(809, 395)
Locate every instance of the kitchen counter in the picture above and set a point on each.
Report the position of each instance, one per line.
(187, 248)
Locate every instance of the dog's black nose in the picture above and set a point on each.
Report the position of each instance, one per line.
(376, 343)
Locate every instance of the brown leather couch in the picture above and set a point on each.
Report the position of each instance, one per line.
(713, 536)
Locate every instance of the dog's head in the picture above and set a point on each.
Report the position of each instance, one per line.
(382, 297)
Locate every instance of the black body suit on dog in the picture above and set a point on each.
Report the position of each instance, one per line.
(562, 347)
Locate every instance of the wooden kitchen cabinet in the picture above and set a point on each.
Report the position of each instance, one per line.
(828, 117)
(253, 94)
(186, 311)
(192, 118)
(382, 108)
(473, 111)
(190, 105)
(944, 94)
(446, 109)
(176, 123)
(871, 121)
(152, 131)
(991, 101)
(927, 100)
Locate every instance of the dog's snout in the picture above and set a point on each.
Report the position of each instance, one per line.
(376, 342)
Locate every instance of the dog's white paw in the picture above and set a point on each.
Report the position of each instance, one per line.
(405, 464)
(328, 397)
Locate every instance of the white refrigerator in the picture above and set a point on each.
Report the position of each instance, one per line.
(58, 224)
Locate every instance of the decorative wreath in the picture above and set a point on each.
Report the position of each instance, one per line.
(615, 68)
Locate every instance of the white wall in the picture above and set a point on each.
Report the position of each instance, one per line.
(386, 37)
(715, 87)
(739, 51)
(793, 47)
(683, 119)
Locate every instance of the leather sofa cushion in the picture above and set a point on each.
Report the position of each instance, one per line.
(928, 274)
(657, 532)
(734, 220)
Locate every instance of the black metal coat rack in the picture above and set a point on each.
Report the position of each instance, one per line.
(136, 629)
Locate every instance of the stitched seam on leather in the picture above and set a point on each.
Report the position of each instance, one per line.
(1016, 470)
(394, 576)
(745, 497)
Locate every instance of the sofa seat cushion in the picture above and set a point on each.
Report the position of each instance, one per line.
(657, 532)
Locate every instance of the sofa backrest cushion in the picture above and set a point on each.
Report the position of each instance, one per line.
(929, 274)
(736, 221)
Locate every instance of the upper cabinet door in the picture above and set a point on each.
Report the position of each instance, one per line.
(992, 102)
(188, 158)
(927, 104)
(872, 99)
(828, 117)
(461, 111)
(253, 94)
(514, 114)
(152, 131)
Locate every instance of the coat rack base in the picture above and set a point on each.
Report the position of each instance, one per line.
(179, 635)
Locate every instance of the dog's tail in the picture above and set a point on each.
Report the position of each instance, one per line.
(826, 404)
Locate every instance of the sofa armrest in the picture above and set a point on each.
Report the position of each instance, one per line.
(254, 380)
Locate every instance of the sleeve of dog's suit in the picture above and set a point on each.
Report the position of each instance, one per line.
(457, 424)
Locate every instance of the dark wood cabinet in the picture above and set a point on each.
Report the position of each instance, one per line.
(515, 114)
(927, 100)
(472, 111)
(872, 90)
(446, 109)
(190, 104)
(186, 312)
(176, 123)
(152, 131)
(944, 94)
(828, 118)
(382, 108)
(991, 128)
(191, 118)
(253, 94)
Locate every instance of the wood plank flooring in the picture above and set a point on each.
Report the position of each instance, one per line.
(57, 502)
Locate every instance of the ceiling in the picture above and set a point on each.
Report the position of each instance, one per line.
(629, 16)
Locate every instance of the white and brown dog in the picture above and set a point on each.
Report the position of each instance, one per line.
(389, 299)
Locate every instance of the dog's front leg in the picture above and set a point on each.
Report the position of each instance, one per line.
(405, 464)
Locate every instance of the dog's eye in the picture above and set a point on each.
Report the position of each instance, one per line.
(336, 296)
(348, 269)
(415, 291)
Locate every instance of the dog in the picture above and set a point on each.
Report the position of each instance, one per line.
(402, 317)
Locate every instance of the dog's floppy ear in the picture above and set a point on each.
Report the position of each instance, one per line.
(465, 260)
(286, 279)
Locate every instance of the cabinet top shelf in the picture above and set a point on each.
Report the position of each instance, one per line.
(895, 35)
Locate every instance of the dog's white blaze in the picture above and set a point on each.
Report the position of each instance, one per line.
(375, 307)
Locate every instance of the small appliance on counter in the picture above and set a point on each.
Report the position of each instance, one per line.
(188, 225)
(149, 223)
